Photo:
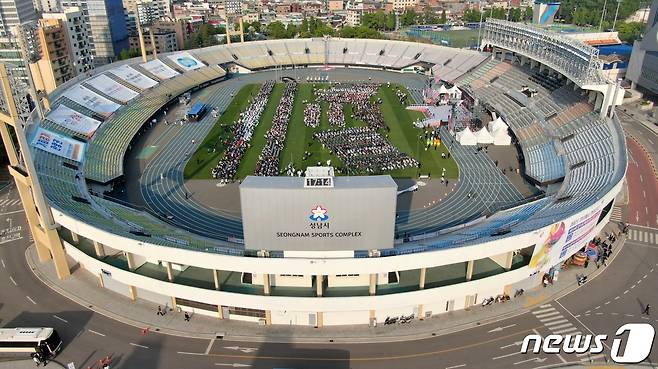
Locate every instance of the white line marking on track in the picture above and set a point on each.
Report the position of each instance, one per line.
(625, 292)
(191, 353)
(614, 313)
(13, 281)
(543, 311)
(138, 345)
(599, 313)
(617, 298)
(58, 318)
(598, 307)
(32, 301)
(633, 286)
(607, 302)
(3, 263)
(98, 333)
(455, 366)
(511, 344)
(545, 306)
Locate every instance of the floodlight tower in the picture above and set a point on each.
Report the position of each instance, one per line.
(21, 166)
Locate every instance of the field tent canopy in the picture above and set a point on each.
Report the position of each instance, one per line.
(499, 130)
(466, 138)
(483, 136)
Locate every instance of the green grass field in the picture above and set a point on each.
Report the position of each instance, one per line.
(403, 134)
(211, 149)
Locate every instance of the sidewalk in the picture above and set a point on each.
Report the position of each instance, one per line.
(25, 364)
(82, 287)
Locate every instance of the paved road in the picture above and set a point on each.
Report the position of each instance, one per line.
(89, 336)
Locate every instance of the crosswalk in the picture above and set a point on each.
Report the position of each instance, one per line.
(9, 202)
(616, 215)
(646, 235)
(556, 323)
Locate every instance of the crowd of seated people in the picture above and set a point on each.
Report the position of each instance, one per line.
(268, 161)
(364, 151)
(336, 115)
(312, 113)
(241, 134)
(359, 96)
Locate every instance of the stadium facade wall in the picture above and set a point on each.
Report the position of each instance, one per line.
(335, 310)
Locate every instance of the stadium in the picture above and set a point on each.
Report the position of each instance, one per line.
(329, 248)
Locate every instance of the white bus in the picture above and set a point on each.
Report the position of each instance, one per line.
(46, 341)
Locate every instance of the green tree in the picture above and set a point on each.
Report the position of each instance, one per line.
(444, 18)
(277, 30)
(408, 17)
(629, 32)
(129, 53)
(527, 13)
(471, 15)
(515, 14)
(390, 21)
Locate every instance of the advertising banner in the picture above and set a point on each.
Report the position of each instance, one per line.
(112, 88)
(186, 61)
(559, 241)
(91, 100)
(133, 77)
(58, 145)
(71, 119)
(159, 69)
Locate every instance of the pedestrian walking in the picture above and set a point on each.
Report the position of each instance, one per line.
(159, 312)
(187, 316)
(646, 309)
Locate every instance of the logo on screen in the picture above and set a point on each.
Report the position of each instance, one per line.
(186, 62)
(319, 214)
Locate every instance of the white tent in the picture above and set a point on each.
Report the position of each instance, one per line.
(498, 130)
(502, 138)
(455, 92)
(497, 124)
(466, 138)
(483, 136)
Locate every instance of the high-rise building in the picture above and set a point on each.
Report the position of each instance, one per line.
(643, 66)
(54, 65)
(148, 10)
(78, 37)
(108, 33)
(12, 14)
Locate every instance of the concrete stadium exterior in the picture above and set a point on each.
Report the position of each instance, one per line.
(427, 274)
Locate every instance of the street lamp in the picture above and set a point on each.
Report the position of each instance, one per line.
(480, 27)
(605, 3)
(616, 13)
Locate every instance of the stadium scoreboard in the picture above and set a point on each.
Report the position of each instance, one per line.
(295, 214)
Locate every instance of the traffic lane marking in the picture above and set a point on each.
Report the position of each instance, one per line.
(373, 358)
(32, 301)
(94, 332)
(138, 345)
